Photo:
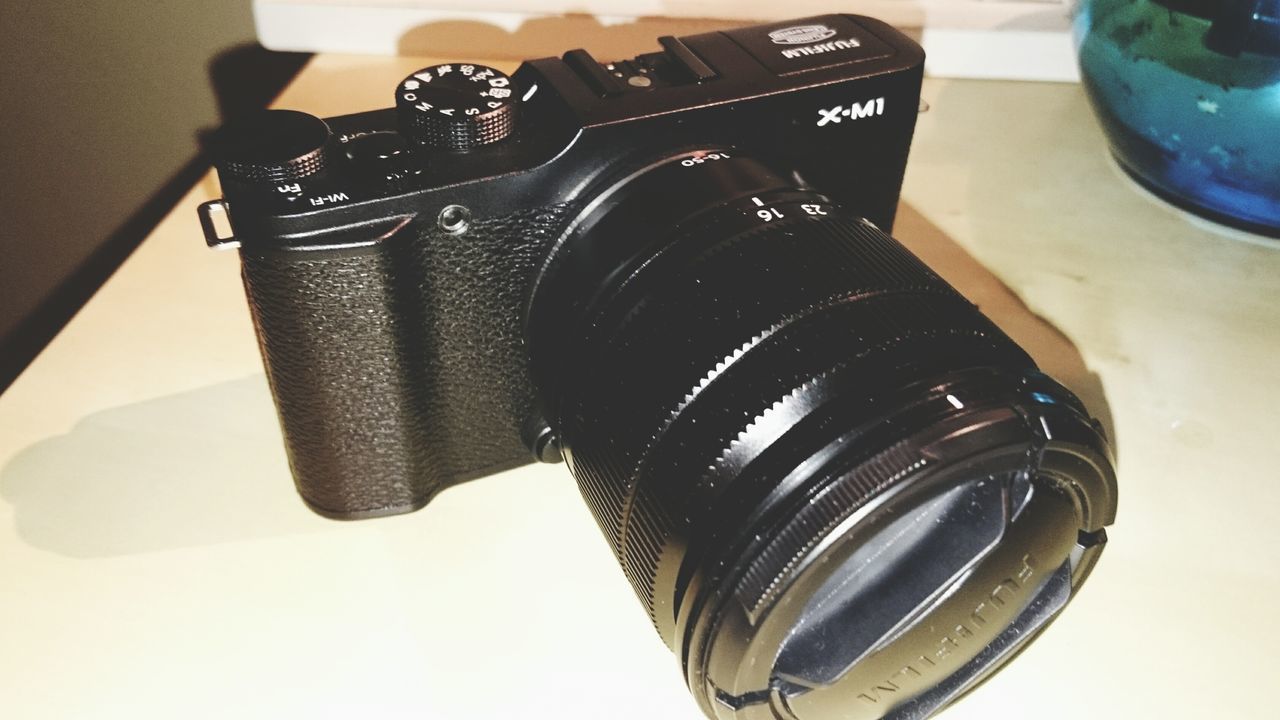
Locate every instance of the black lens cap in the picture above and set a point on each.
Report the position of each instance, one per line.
(914, 575)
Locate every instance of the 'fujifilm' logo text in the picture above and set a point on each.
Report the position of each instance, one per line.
(949, 647)
(856, 111)
(826, 47)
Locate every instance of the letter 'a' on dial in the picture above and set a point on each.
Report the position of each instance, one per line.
(456, 106)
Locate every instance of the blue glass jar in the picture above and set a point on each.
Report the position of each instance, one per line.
(1188, 93)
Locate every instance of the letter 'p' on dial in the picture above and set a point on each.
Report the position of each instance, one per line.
(456, 106)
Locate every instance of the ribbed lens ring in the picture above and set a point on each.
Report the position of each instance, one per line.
(650, 425)
(695, 298)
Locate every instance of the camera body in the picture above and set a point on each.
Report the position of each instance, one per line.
(390, 265)
(836, 487)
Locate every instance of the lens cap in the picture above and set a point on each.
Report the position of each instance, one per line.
(913, 576)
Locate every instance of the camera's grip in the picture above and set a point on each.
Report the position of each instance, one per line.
(340, 350)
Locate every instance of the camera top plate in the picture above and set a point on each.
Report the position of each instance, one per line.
(806, 91)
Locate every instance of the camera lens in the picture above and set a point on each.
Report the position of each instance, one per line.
(837, 488)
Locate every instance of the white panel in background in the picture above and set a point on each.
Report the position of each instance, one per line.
(1008, 39)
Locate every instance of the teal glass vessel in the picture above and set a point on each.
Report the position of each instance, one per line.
(1188, 94)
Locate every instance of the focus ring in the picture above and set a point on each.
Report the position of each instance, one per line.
(720, 309)
(811, 263)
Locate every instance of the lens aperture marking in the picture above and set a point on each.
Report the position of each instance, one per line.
(700, 158)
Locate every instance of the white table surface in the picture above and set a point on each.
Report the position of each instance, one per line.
(155, 562)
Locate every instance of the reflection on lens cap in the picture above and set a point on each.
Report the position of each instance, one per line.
(913, 576)
(892, 578)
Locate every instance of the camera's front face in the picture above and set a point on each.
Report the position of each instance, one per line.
(837, 488)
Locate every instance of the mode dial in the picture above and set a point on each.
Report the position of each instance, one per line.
(456, 106)
(274, 146)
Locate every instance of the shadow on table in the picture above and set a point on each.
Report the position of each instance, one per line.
(198, 468)
(207, 466)
(243, 78)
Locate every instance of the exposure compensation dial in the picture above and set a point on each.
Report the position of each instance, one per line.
(457, 106)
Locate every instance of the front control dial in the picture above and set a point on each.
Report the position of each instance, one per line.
(456, 106)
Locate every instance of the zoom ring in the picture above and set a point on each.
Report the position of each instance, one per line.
(701, 343)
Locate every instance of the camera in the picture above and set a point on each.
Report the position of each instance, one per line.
(838, 490)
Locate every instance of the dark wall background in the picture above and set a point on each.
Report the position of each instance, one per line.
(104, 105)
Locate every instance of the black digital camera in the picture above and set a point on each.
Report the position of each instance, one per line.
(837, 488)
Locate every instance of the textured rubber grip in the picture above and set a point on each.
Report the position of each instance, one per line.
(400, 368)
(340, 361)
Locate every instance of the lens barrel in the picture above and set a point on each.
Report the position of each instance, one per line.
(838, 489)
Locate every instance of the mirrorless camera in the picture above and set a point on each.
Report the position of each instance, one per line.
(838, 490)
